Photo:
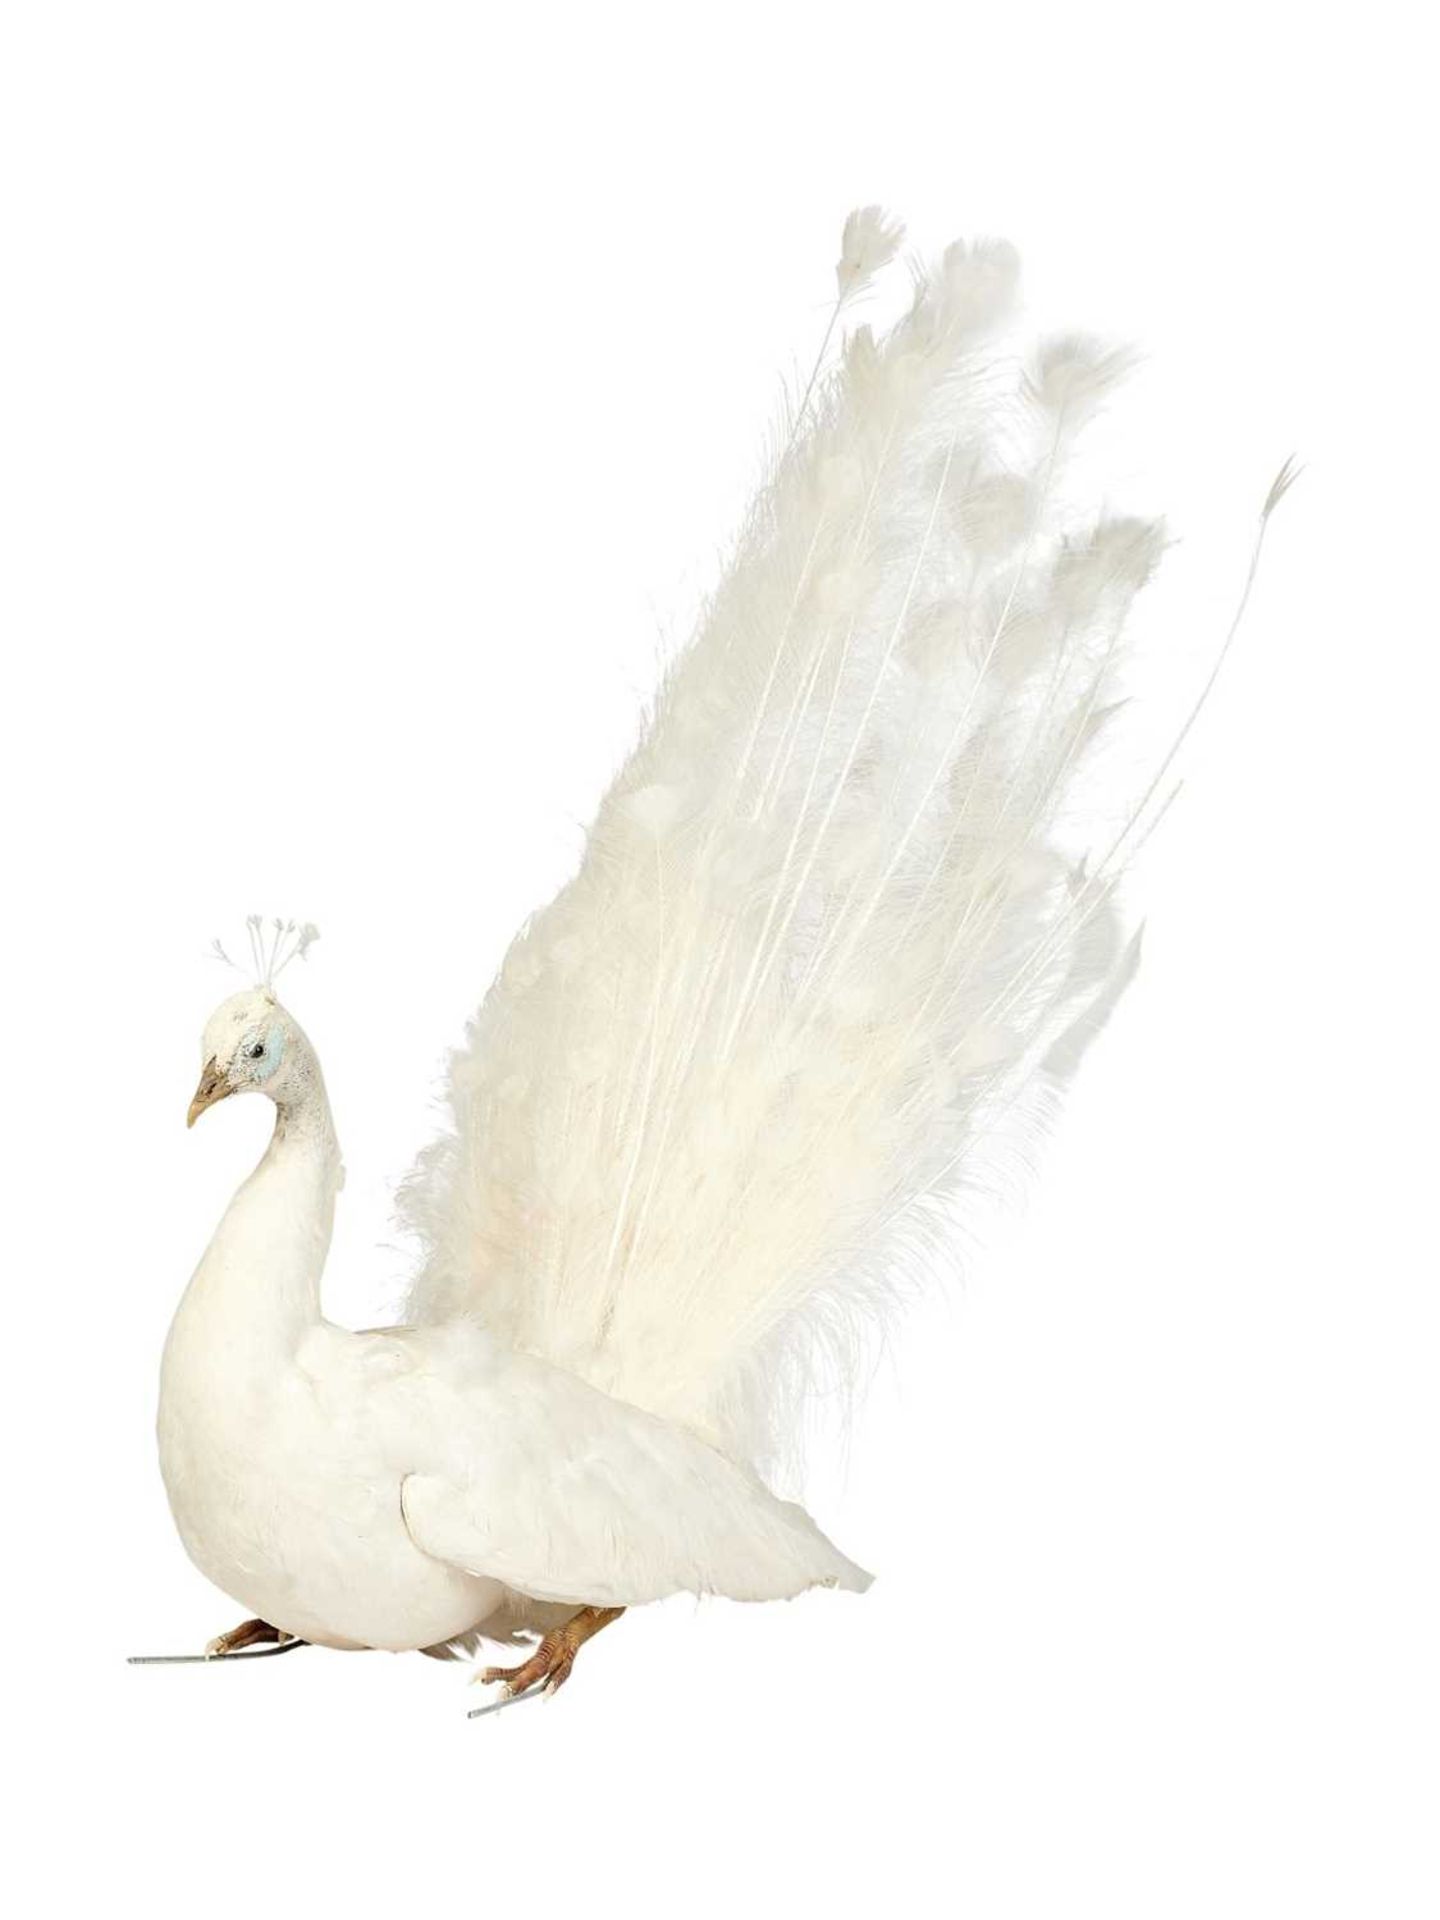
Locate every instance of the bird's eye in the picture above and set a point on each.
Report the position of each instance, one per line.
(257, 1051)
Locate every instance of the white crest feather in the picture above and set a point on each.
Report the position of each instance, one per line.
(273, 946)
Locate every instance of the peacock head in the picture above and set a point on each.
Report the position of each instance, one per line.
(251, 1044)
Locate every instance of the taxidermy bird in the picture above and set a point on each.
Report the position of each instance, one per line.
(844, 916)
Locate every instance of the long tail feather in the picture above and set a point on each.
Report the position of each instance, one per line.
(840, 913)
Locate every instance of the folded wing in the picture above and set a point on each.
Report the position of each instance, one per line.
(565, 1494)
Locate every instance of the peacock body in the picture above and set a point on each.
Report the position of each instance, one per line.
(844, 915)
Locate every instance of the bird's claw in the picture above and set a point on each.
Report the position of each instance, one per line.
(552, 1662)
(250, 1633)
(546, 1670)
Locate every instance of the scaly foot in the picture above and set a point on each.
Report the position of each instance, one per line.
(250, 1633)
(552, 1660)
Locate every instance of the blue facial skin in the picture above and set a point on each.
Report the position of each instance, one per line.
(274, 1053)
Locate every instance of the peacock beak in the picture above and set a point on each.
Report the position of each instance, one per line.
(213, 1086)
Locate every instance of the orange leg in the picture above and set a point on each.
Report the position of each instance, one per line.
(250, 1633)
(553, 1659)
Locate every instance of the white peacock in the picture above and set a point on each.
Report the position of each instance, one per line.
(842, 918)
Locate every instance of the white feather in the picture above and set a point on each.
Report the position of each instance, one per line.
(827, 922)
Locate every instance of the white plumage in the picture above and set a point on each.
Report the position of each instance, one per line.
(840, 917)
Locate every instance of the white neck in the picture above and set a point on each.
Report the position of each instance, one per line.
(258, 1284)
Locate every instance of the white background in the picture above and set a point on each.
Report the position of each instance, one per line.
(379, 385)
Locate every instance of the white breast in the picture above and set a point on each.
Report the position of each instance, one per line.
(284, 1496)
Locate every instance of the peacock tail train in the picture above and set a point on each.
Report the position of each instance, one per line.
(842, 915)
